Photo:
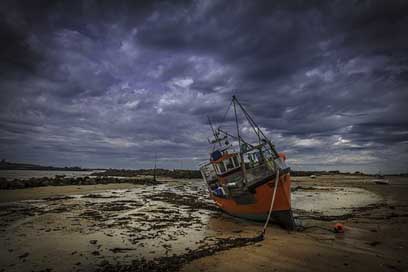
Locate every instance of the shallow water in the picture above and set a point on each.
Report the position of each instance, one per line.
(27, 174)
(332, 201)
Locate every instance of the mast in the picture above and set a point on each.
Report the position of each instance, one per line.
(241, 155)
(236, 122)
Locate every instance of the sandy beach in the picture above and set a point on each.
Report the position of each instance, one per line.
(174, 226)
(375, 238)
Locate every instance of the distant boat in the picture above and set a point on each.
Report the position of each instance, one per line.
(244, 180)
(381, 181)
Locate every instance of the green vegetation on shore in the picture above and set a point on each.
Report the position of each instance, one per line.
(175, 173)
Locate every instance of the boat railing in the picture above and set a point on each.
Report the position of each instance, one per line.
(234, 180)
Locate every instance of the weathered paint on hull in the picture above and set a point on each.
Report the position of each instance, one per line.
(258, 211)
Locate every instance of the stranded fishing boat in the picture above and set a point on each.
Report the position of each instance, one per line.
(251, 180)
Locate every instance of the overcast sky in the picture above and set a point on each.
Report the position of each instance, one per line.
(109, 84)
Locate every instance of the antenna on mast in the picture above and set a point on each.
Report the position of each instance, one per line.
(215, 133)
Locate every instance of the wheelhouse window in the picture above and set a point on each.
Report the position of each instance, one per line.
(227, 165)
(220, 167)
(253, 159)
(267, 152)
(236, 162)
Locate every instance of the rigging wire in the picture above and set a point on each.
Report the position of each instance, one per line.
(258, 130)
(226, 112)
(216, 131)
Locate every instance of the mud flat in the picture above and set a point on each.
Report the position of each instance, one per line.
(173, 226)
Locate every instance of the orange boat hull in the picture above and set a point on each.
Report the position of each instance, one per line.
(263, 195)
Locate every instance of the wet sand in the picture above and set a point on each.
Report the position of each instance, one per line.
(49, 191)
(174, 226)
(375, 238)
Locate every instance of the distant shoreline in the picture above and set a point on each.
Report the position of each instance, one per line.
(6, 165)
(178, 173)
(53, 169)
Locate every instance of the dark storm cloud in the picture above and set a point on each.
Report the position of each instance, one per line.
(102, 83)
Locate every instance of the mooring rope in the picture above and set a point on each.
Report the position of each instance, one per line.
(272, 202)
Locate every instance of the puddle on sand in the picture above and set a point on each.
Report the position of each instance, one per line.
(332, 201)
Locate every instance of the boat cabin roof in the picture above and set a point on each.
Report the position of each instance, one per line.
(225, 156)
